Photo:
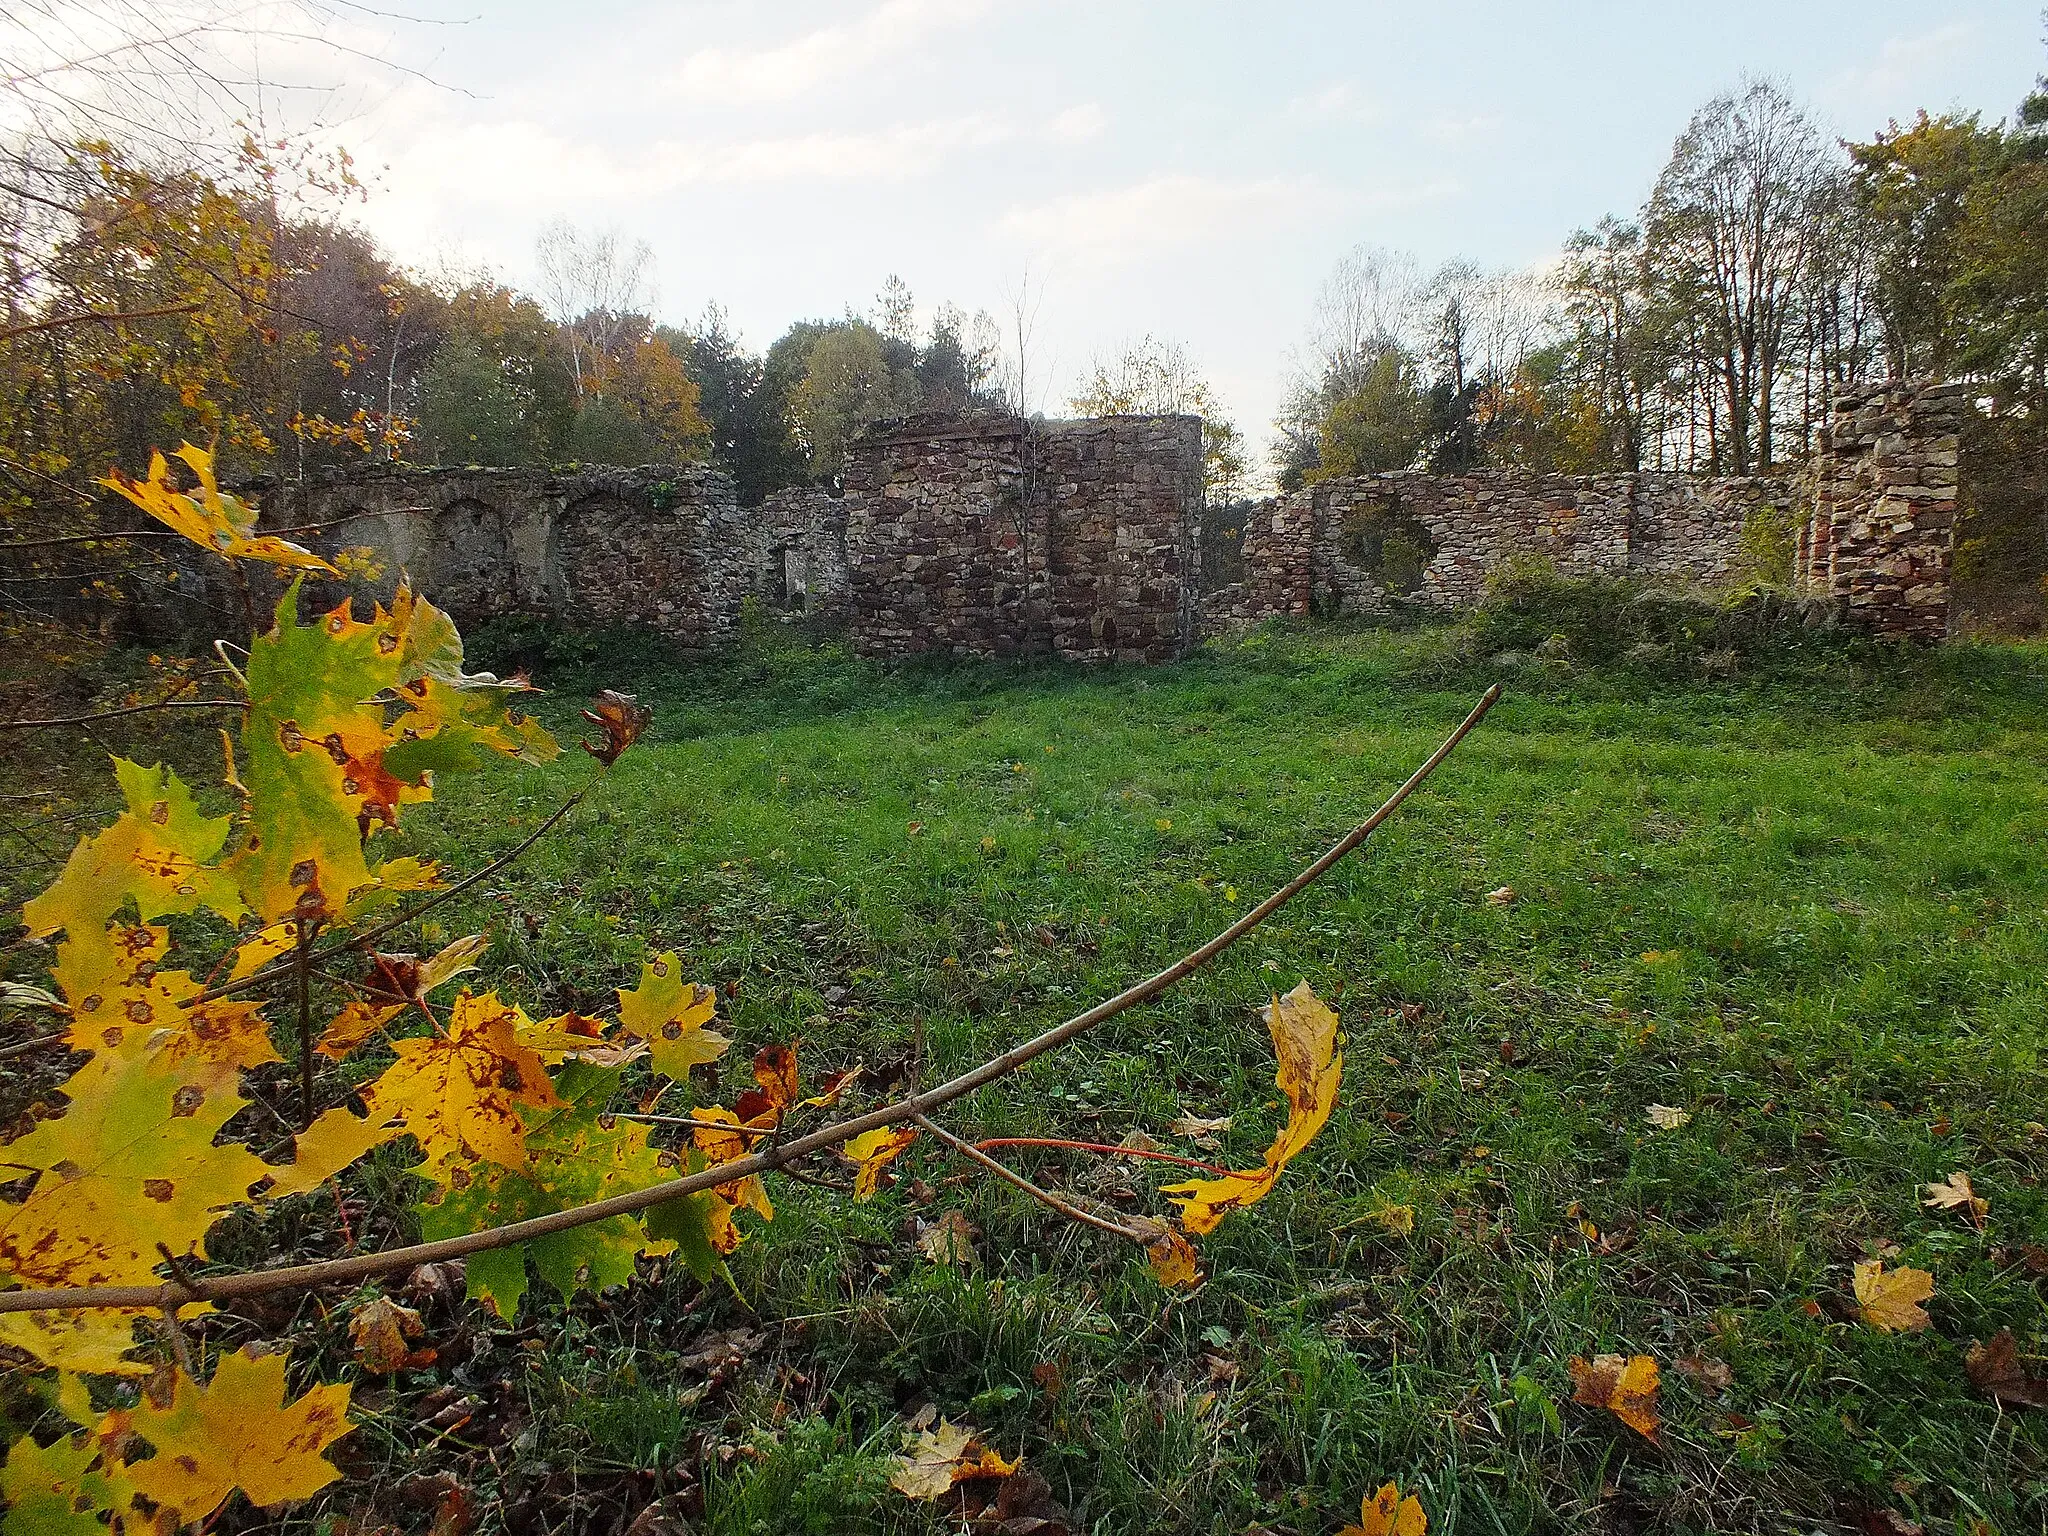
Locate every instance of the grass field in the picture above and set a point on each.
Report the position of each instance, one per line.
(1804, 900)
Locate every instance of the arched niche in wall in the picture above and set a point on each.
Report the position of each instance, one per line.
(474, 573)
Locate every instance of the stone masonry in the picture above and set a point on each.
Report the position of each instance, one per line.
(1880, 542)
(994, 536)
(1367, 543)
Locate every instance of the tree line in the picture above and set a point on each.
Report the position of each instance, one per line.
(1767, 270)
(154, 289)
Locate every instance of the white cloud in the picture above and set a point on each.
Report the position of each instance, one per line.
(1079, 124)
(733, 76)
(1129, 223)
(1334, 103)
(1459, 132)
(1902, 68)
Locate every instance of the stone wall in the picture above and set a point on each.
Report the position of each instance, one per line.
(655, 548)
(1368, 543)
(1880, 542)
(994, 536)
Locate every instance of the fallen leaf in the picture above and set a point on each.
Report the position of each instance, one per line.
(1386, 1513)
(382, 1332)
(1666, 1118)
(933, 1460)
(1890, 1302)
(237, 1431)
(1708, 1375)
(1995, 1369)
(1956, 1194)
(950, 1241)
(1304, 1032)
(1501, 897)
(1624, 1385)
(1173, 1260)
(1397, 1219)
(621, 718)
(1200, 1131)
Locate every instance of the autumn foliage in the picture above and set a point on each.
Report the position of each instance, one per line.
(184, 947)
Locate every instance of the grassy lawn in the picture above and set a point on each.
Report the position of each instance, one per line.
(1804, 901)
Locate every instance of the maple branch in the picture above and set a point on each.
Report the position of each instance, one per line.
(771, 1159)
(1065, 1207)
(369, 935)
(115, 714)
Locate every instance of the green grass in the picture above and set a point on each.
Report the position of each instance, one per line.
(1806, 902)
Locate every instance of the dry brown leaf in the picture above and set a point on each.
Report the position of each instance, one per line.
(1891, 1302)
(1386, 1513)
(621, 718)
(950, 1241)
(1625, 1385)
(933, 1460)
(1710, 1376)
(1955, 1194)
(382, 1332)
(1501, 897)
(1995, 1369)
(1172, 1258)
(1196, 1128)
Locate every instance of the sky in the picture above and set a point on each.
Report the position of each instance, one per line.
(1190, 171)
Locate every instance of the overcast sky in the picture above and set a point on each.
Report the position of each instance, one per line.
(1190, 170)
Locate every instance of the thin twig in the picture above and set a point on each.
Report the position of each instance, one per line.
(115, 714)
(369, 935)
(1065, 1207)
(1105, 1149)
(23, 1047)
(330, 1271)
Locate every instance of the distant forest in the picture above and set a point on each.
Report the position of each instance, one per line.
(156, 291)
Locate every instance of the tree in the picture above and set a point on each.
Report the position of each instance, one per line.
(469, 413)
(1152, 377)
(1912, 188)
(1381, 423)
(596, 286)
(1613, 335)
(1732, 225)
(847, 383)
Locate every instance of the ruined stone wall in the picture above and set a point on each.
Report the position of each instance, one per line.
(656, 548)
(796, 543)
(1364, 544)
(994, 536)
(1880, 543)
(1122, 498)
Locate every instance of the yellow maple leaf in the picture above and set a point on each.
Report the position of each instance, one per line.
(933, 1460)
(356, 1022)
(237, 1431)
(129, 1165)
(1304, 1034)
(670, 1014)
(331, 1143)
(1173, 1260)
(458, 1093)
(212, 518)
(870, 1152)
(1625, 1386)
(1386, 1513)
(1890, 1302)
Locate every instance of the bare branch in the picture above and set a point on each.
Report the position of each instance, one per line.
(770, 1159)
